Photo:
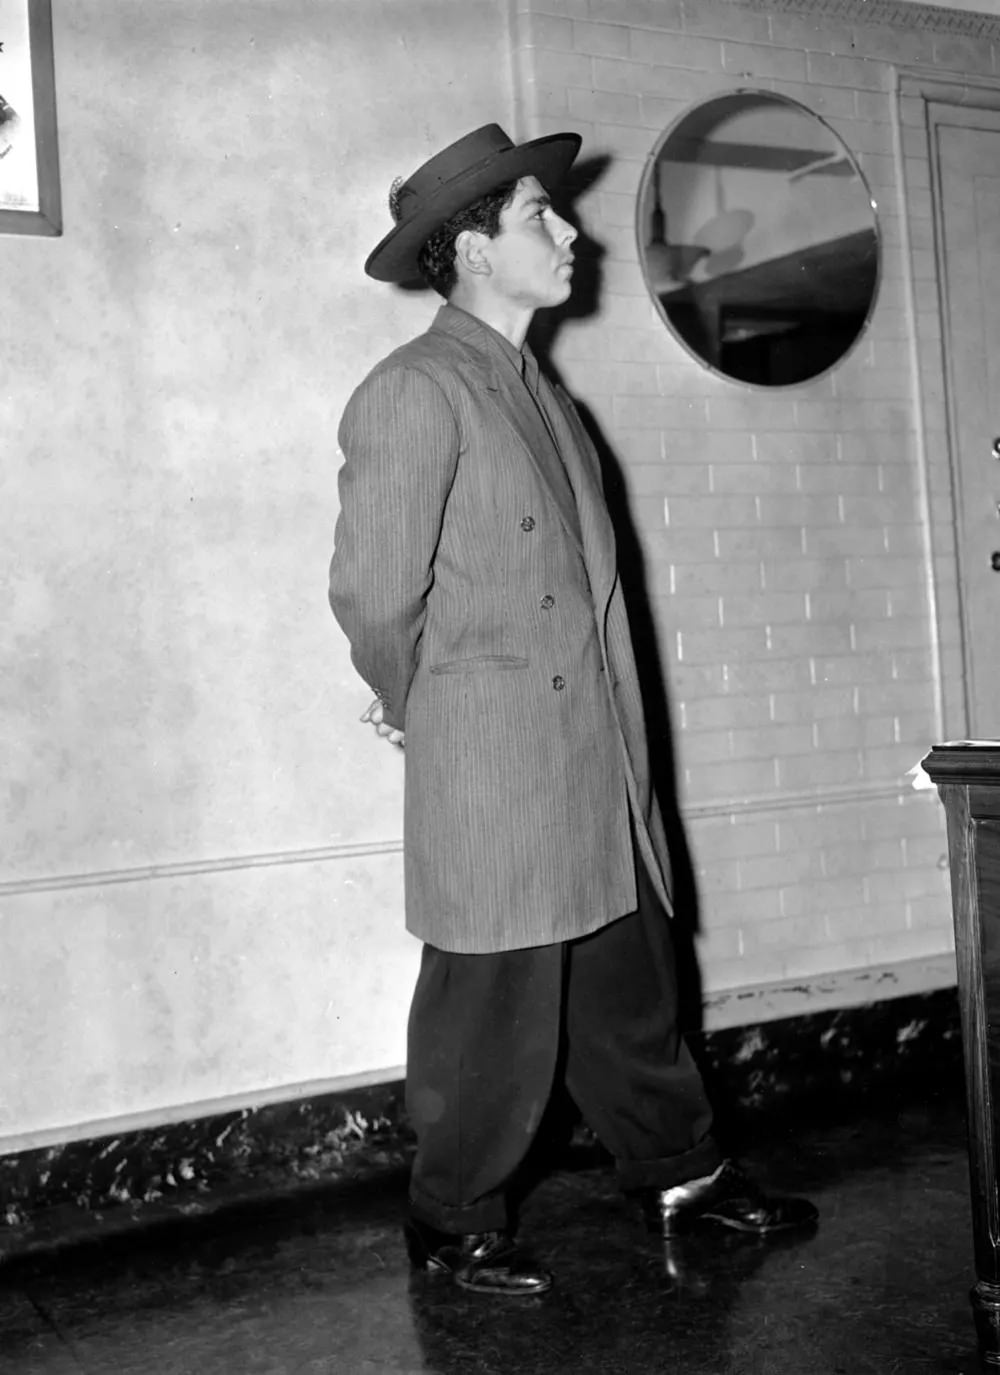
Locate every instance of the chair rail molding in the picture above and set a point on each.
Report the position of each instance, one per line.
(185, 868)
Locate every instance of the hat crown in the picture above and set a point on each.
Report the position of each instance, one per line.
(462, 156)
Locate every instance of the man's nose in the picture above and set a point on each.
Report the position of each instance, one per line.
(564, 231)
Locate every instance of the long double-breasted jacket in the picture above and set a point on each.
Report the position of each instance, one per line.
(474, 575)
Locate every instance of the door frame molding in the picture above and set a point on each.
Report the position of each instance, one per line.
(923, 102)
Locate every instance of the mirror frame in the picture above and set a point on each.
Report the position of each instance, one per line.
(648, 170)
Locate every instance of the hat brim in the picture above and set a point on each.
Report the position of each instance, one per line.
(548, 159)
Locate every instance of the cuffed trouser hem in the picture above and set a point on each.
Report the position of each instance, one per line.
(485, 1215)
(701, 1160)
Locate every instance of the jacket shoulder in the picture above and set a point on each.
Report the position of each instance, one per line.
(416, 382)
(434, 353)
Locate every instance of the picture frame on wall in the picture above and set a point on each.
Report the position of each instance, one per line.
(30, 201)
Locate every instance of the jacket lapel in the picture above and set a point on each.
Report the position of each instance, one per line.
(517, 411)
(597, 530)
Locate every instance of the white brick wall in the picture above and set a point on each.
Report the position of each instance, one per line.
(783, 532)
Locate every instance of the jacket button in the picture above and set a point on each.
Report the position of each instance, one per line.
(547, 602)
(558, 682)
(528, 524)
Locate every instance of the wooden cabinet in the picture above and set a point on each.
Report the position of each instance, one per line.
(968, 780)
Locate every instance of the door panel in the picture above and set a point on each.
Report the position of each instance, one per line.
(968, 155)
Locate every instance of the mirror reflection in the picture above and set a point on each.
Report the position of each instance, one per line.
(758, 238)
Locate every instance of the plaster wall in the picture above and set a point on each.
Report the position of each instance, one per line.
(200, 872)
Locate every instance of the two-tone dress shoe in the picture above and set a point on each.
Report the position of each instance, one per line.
(727, 1198)
(485, 1262)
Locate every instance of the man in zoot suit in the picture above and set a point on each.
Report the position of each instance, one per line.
(475, 577)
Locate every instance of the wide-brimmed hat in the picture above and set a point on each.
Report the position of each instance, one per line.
(453, 179)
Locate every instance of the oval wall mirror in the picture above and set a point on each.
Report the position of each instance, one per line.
(758, 238)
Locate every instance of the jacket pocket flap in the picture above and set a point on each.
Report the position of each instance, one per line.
(482, 663)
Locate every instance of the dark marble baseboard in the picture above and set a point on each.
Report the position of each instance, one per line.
(829, 1064)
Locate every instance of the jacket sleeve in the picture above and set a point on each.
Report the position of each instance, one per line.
(400, 442)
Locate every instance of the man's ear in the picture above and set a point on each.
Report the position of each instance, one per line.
(470, 252)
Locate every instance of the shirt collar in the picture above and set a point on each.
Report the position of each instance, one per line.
(499, 348)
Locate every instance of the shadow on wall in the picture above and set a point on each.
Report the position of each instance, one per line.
(585, 304)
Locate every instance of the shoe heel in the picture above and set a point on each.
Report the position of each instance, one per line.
(419, 1255)
(415, 1249)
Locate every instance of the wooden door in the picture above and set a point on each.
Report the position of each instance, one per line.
(967, 150)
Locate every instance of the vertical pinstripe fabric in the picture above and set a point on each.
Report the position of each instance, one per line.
(482, 604)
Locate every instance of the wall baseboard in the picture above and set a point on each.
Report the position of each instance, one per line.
(811, 993)
(719, 1010)
(831, 1061)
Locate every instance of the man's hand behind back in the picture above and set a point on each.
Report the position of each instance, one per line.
(376, 716)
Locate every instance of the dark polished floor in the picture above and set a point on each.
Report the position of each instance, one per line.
(319, 1285)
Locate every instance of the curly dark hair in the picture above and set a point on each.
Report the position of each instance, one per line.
(436, 259)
